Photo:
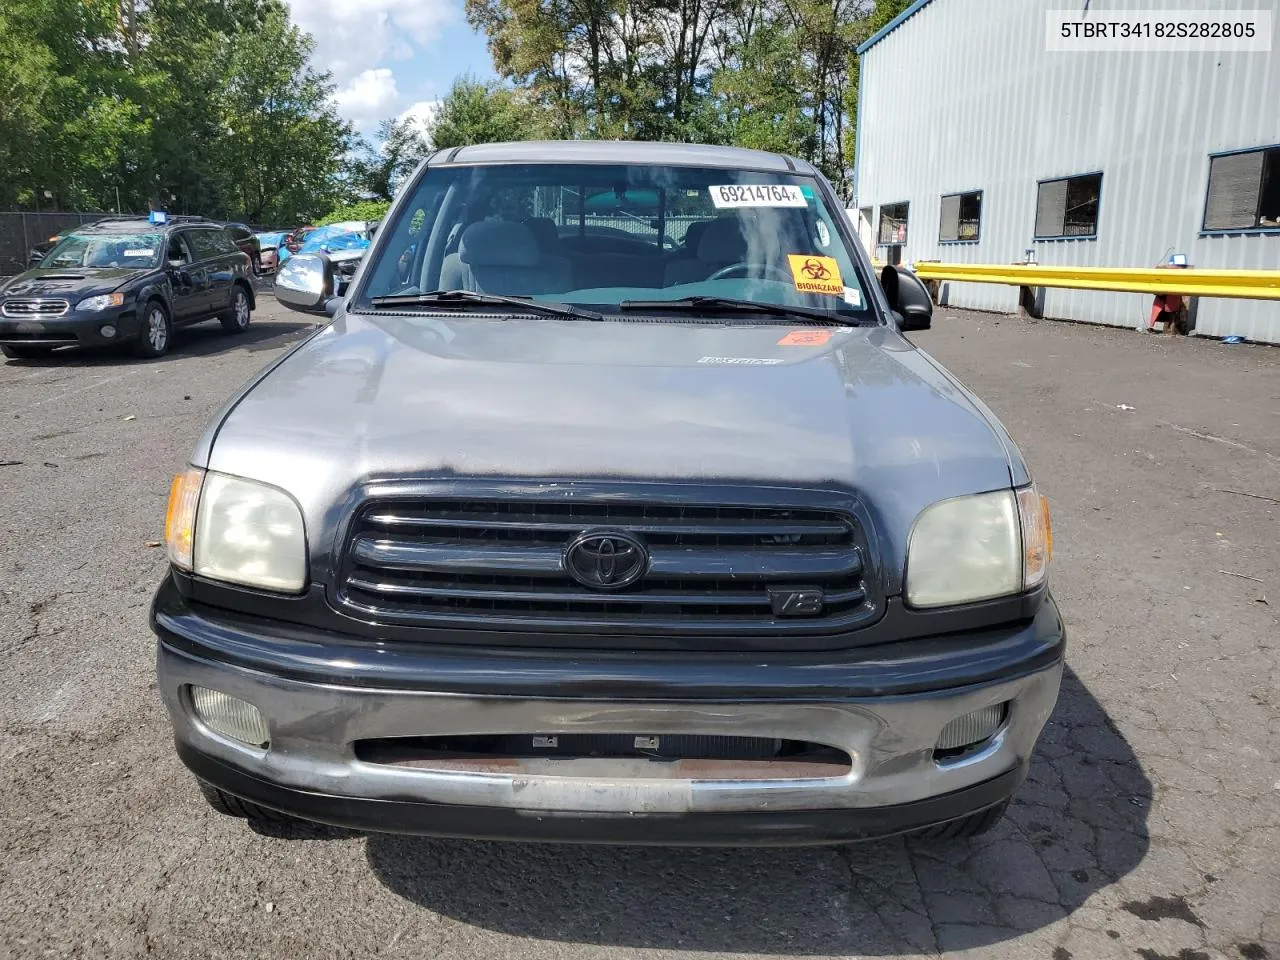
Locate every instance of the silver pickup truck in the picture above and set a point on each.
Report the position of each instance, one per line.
(612, 505)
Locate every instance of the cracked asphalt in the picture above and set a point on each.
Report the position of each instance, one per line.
(1149, 828)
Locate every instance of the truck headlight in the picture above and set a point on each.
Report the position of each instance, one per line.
(978, 547)
(104, 301)
(236, 530)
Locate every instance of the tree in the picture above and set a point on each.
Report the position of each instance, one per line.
(284, 142)
(197, 106)
(475, 112)
(360, 210)
(766, 73)
(379, 171)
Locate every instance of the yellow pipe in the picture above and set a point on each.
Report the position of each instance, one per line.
(1194, 282)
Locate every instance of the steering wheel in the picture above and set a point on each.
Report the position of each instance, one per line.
(744, 269)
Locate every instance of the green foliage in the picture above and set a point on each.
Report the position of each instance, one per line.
(198, 106)
(379, 171)
(772, 74)
(360, 210)
(212, 106)
(475, 112)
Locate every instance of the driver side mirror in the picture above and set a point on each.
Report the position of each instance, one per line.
(908, 297)
(305, 283)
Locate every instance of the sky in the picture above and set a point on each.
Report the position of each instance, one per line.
(391, 58)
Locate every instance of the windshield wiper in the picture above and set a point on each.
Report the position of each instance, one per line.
(459, 298)
(733, 305)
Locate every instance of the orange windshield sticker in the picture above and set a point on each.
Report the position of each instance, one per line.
(816, 274)
(805, 338)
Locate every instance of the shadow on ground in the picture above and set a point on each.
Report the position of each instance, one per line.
(1078, 824)
(199, 340)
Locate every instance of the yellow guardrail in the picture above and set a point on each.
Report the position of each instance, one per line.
(1189, 281)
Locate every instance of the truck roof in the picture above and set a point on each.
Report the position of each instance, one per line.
(622, 151)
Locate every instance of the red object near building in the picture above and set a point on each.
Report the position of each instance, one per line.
(1168, 308)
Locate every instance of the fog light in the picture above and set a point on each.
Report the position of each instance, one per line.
(107, 330)
(972, 728)
(230, 717)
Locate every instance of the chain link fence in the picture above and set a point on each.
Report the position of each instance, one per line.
(19, 232)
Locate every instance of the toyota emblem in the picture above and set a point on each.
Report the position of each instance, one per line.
(606, 560)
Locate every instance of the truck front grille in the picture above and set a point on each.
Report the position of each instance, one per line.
(710, 569)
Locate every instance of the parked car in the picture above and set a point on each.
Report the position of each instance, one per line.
(123, 280)
(39, 250)
(297, 238)
(343, 246)
(269, 245)
(534, 541)
(347, 235)
(247, 242)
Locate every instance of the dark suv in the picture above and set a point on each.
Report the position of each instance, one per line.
(126, 280)
(247, 242)
(546, 537)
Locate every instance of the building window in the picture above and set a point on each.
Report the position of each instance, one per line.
(893, 224)
(961, 215)
(1068, 207)
(1244, 191)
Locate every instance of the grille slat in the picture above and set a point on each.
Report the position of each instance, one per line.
(648, 528)
(500, 564)
(691, 563)
(718, 598)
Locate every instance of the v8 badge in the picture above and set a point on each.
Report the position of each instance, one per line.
(796, 601)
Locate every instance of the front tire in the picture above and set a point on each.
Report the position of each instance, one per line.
(229, 805)
(975, 824)
(25, 353)
(235, 319)
(156, 332)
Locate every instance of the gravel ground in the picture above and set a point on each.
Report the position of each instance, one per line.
(1150, 827)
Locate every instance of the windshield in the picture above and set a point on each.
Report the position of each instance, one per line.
(599, 235)
(106, 250)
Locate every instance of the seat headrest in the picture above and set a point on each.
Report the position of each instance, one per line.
(722, 242)
(545, 232)
(694, 234)
(498, 243)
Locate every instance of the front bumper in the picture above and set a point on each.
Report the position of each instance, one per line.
(318, 715)
(75, 328)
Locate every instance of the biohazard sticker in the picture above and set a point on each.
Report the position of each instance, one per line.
(816, 274)
(805, 338)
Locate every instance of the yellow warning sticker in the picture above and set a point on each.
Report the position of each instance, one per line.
(816, 274)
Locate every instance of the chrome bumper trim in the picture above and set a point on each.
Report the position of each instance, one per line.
(890, 740)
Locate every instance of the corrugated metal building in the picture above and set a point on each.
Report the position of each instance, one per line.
(996, 146)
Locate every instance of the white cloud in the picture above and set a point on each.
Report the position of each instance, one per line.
(368, 97)
(355, 36)
(420, 114)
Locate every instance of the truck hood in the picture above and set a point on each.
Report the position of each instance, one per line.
(856, 410)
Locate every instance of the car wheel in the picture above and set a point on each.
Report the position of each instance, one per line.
(235, 319)
(230, 805)
(973, 825)
(25, 353)
(257, 265)
(156, 332)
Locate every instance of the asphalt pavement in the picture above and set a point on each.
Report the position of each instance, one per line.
(1150, 826)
